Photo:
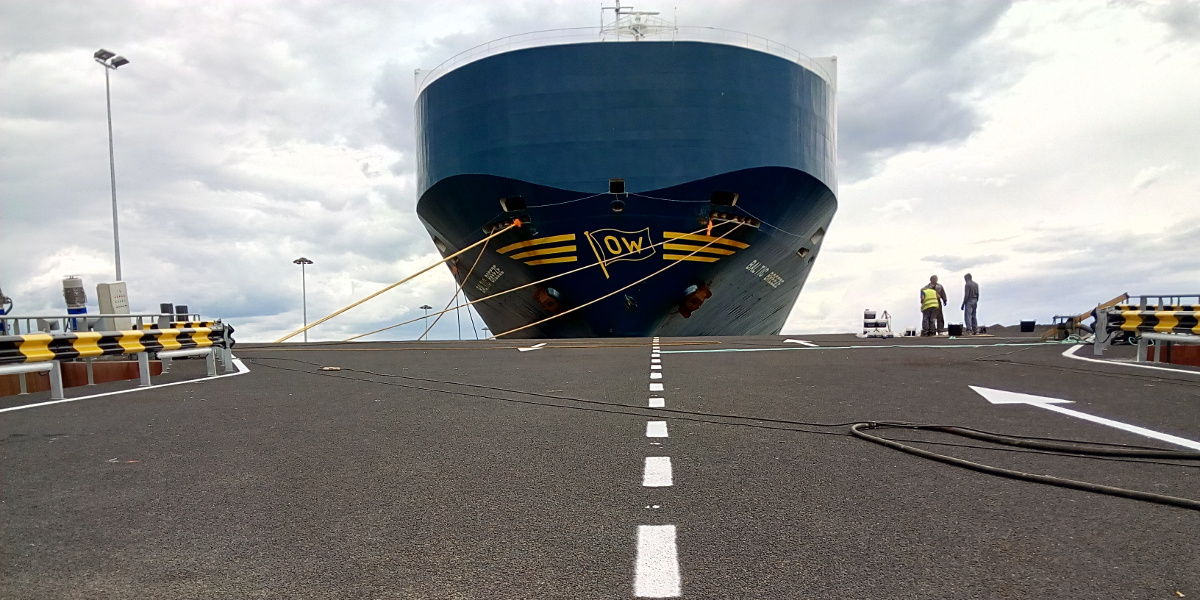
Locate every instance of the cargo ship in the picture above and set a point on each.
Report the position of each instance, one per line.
(666, 180)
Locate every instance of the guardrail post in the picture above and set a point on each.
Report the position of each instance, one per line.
(24, 386)
(211, 362)
(166, 363)
(1141, 349)
(91, 375)
(226, 351)
(1100, 335)
(143, 369)
(56, 383)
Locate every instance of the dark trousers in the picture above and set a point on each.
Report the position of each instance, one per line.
(929, 321)
(941, 320)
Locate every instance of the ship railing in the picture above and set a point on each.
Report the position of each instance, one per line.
(581, 35)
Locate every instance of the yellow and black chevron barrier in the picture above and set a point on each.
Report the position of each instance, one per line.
(1161, 321)
(1156, 308)
(36, 347)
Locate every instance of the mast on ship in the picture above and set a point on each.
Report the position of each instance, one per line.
(633, 23)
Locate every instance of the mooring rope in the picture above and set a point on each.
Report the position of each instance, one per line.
(454, 300)
(500, 231)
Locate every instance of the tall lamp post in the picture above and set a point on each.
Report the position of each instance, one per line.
(425, 307)
(303, 291)
(110, 61)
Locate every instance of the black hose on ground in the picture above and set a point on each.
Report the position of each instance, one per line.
(859, 431)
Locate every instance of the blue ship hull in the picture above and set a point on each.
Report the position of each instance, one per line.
(537, 134)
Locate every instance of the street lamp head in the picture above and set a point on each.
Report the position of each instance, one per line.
(119, 61)
(426, 307)
(103, 54)
(302, 261)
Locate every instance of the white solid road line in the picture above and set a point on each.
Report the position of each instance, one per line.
(657, 472)
(1003, 397)
(656, 387)
(657, 569)
(237, 362)
(658, 402)
(801, 342)
(655, 375)
(1070, 353)
(656, 429)
(533, 347)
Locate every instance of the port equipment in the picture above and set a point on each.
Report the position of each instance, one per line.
(1067, 325)
(42, 352)
(1151, 321)
(877, 325)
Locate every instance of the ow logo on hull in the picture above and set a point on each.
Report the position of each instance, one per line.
(611, 245)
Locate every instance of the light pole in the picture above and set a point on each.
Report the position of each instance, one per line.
(303, 291)
(110, 61)
(425, 307)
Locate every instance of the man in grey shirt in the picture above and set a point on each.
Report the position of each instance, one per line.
(970, 301)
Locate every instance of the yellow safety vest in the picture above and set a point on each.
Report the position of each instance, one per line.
(929, 299)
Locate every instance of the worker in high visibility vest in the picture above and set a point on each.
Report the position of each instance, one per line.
(930, 303)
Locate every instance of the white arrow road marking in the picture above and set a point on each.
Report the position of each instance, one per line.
(1003, 397)
(533, 347)
(801, 342)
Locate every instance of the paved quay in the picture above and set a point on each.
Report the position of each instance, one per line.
(615, 468)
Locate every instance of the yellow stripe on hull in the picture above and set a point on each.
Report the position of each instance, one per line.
(548, 261)
(542, 251)
(690, 248)
(674, 235)
(554, 239)
(692, 258)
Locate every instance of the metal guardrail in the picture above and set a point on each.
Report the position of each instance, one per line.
(1161, 318)
(17, 325)
(580, 35)
(30, 353)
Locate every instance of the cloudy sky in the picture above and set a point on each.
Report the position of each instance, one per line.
(1050, 148)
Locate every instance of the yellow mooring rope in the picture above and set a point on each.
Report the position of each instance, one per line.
(402, 281)
(458, 289)
(616, 291)
(510, 290)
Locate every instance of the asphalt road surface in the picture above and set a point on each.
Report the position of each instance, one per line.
(693, 468)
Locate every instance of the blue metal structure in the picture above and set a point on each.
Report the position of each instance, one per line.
(697, 134)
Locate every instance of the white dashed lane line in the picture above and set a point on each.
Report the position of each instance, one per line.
(657, 472)
(656, 569)
(657, 572)
(656, 429)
